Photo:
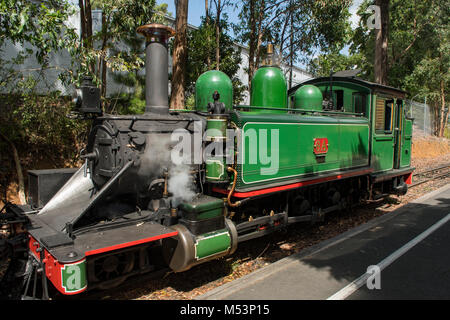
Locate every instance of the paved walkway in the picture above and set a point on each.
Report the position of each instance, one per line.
(408, 247)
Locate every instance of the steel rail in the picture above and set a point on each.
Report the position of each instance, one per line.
(433, 177)
(433, 169)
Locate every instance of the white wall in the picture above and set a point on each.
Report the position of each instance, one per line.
(299, 75)
(47, 79)
(62, 60)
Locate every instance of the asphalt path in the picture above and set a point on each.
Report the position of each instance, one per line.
(404, 254)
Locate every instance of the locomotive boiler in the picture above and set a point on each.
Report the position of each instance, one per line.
(170, 189)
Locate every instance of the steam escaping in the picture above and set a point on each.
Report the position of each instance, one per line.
(180, 184)
(157, 158)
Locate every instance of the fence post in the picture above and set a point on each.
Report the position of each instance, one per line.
(424, 113)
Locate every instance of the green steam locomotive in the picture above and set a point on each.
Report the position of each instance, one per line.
(176, 188)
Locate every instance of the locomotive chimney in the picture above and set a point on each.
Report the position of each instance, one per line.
(156, 67)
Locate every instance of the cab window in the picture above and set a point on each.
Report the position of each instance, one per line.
(384, 115)
(359, 103)
(339, 99)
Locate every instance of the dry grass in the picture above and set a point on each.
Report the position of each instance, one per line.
(426, 148)
(12, 193)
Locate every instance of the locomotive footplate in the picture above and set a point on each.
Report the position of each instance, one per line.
(383, 176)
(65, 259)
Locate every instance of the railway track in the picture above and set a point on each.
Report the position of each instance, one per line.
(439, 172)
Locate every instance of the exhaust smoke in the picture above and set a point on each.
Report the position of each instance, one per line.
(157, 159)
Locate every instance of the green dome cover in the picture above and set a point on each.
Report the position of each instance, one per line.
(209, 82)
(308, 97)
(269, 89)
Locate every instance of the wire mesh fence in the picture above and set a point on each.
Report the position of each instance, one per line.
(423, 117)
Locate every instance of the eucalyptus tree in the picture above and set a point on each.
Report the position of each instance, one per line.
(179, 56)
(201, 58)
(417, 52)
(102, 50)
(297, 28)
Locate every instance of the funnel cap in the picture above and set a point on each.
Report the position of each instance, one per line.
(156, 32)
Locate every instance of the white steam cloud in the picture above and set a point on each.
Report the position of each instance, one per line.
(158, 158)
(180, 183)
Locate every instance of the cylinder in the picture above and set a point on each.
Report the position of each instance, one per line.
(269, 89)
(216, 127)
(308, 97)
(156, 67)
(189, 250)
(207, 84)
(215, 164)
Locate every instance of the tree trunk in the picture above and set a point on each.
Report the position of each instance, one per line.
(218, 35)
(291, 48)
(256, 10)
(442, 117)
(252, 44)
(104, 73)
(381, 44)
(20, 179)
(102, 63)
(436, 118)
(82, 19)
(86, 27)
(179, 55)
(208, 58)
(260, 33)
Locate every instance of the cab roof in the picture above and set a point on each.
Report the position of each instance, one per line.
(376, 87)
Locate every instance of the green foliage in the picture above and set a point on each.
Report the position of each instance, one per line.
(425, 80)
(430, 75)
(128, 103)
(40, 25)
(37, 30)
(416, 31)
(40, 29)
(418, 50)
(324, 64)
(120, 19)
(297, 28)
(201, 45)
(329, 26)
(190, 102)
(38, 125)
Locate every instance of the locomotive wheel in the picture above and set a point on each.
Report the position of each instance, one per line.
(300, 206)
(111, 270)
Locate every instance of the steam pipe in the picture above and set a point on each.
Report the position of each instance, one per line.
(156, 67)
(237, 203)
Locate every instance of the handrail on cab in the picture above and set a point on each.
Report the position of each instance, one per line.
(301, 110)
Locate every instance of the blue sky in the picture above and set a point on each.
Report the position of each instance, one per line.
(197, 9)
